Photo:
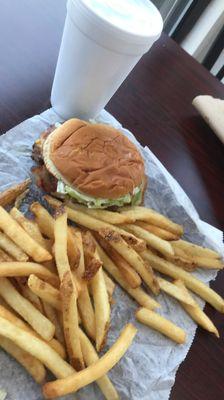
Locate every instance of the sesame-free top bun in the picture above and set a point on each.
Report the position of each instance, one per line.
(95, 159)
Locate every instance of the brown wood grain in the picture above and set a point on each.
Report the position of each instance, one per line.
(155, 104)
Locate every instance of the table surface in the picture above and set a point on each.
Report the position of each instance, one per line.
(155, 104)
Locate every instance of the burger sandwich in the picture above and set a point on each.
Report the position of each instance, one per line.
(92, 164)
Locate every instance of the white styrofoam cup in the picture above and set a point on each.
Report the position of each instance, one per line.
(94, 59)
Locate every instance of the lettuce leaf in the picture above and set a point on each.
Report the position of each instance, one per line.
(93, 202)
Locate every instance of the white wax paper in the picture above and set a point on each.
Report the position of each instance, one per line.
(147, 371)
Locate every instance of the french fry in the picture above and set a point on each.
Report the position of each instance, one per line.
(29, 226)
(36, 347)
(95, 371)
(28, 294)
(172, 291)
(138, 294)
(194, 250)
(58, 347)
(4, 256)
(129, 274)
(196, 313)
(160, 324)
(60, 235)
(11, 248)
(190, 263)
(68, 291)
(45, 291)
(91, 261)
(133, 258)
(90, 357)
(102, 308)
(14, 268)
(86, 312)
(152, 217)
(58, 344)
(31, 364)
(192, 283)
(154, 241)
(9, 195)
(73, 249)
(183, 262)
(53, 316)
(20, 237)
(111, 217)
(81, 265)
(26, 309)
(179, 252)
(44, 220)
(6, 313)
(94, 224)
(110, 285)
(70, 322)
(46, 225)
(162, 233)
(60, 318)
(207, 263)
(182, 259)
(196, 256)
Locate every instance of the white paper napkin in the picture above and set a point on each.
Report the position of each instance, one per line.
(212, 110)
(147, 371)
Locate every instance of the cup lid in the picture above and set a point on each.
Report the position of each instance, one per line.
(112, 33)
(138, 18)
(130, 20)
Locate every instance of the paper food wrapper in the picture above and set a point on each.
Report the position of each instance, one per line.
(148, 368)
(212, 111)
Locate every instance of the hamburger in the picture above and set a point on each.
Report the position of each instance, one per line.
(92, 164)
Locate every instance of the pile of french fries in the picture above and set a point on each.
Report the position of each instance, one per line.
(57, 282)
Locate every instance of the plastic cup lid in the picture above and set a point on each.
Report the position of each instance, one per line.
(133, 21)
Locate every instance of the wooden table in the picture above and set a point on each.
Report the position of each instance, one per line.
(155, 104)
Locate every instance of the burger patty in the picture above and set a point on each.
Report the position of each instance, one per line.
(42, 177)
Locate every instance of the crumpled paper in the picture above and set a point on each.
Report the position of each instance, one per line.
(147, 371)
(212, 111)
